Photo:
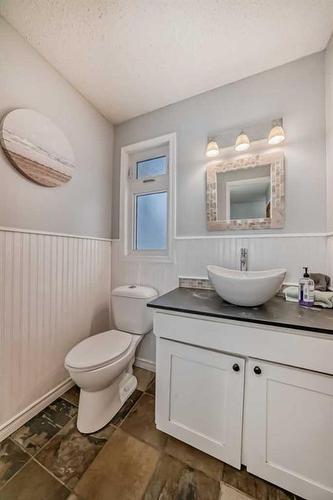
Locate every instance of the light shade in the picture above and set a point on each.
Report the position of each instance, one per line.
(276, 134)
(212, 149)
(242, 142)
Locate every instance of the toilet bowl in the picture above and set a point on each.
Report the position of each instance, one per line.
(102, 365)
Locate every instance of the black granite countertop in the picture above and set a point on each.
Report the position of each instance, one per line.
(276, 312)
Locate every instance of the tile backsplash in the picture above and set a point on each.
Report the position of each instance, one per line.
(202, 283)
(205, 284)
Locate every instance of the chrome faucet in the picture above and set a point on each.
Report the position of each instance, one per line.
(243, 259)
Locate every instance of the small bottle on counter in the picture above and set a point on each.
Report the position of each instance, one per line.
(306, 290)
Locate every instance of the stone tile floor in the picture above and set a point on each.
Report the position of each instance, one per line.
(129, 459)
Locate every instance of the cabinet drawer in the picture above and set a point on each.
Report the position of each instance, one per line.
(279, 345)
(199, 398)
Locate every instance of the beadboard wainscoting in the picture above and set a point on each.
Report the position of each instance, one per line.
(55, 291)
(193, 254)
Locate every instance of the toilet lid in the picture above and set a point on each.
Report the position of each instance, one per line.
(98, 350)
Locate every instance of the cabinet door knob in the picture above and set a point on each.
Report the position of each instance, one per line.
(235, 367)
(257, 370)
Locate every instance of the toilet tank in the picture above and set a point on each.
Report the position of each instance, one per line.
(129, 307)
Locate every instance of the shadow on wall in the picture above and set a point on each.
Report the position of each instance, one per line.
(101, 321)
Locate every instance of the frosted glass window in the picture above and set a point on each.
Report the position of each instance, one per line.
(151, 167)
(151, 221)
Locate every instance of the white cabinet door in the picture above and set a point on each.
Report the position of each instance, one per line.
(289, 428)
(199, 398)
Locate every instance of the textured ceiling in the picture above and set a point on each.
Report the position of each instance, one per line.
(129, 57)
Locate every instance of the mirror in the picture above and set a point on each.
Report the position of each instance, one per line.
(244, 193)
(247, 193)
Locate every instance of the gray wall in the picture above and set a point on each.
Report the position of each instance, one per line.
(82, 206)
(295, 91)
(329, 132)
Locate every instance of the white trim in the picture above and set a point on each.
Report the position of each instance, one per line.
(48, 233)
(170, 140)
(261, 235)
(202, 237)
(244, 236)
(25, 415)
(146, 364)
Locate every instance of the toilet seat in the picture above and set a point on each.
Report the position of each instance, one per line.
(98, 351)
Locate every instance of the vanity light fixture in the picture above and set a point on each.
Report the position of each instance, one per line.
(276, 135)
(242, 142)
(212, 149)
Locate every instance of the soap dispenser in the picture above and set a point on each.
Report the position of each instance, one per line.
(306, 290)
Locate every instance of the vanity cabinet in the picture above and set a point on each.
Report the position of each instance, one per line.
(249, 394)
(289, 428)
(200, 398)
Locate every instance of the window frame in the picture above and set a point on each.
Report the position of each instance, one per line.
(130, 188)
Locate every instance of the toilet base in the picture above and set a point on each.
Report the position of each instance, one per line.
(96, 409)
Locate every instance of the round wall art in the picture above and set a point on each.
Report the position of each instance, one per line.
(37, 148)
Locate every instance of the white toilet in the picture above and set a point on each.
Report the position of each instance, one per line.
(101, 365)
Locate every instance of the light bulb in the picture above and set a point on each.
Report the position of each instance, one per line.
(212, 149)
(276, 135)
(242, 142)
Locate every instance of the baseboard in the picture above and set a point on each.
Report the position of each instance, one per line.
(146, 364)
(25, 415)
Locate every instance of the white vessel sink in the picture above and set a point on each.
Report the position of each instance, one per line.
(245, 288)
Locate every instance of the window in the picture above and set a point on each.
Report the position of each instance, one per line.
(151, 221)
(148, 183)
(147, 199)
(151, 167)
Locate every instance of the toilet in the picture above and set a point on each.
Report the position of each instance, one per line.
(102, 365)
